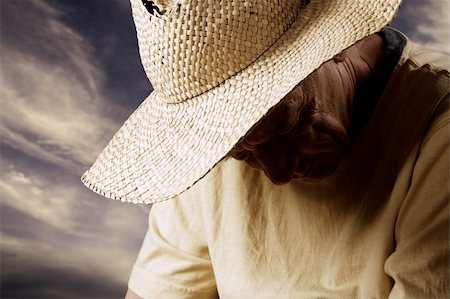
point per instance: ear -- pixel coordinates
(348, 53)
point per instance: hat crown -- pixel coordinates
(190, 46)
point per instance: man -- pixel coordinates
(344, 193)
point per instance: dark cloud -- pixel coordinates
(29, 29)
(40, 276)
(21, 230)
(107, 32)
(109, 28)
(23, 160)
(41, 260)
(63, 98)
(34, 279)
(23, 28)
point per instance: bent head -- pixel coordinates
(307, 133)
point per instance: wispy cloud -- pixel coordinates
(437, 27)
(56, 114)
(426, 22)
(52, 104)
(33, 270)
(52, 204)
(68, 230)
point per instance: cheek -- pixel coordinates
(314, 143)
(318, 155)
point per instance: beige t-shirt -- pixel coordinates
(378, 228)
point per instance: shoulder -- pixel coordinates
(422, 56)
(416, 57)
(432, 67)
(438, 128)
(421, 77)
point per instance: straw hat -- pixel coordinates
(217, 67)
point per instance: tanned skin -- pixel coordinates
(307, 133)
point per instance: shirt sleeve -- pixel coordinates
(419, 265)
(174, 260)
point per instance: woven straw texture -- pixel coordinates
(217, 67)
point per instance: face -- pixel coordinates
(306, 134)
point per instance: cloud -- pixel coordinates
(56, 116)
(56, 224)
(41, 278)
(53, 107)
(68, 206)
(426, 22)
(37, 197)
(437, 26)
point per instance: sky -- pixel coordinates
(70, 76)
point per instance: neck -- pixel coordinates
(369, 85)
(366, 59)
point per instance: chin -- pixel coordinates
(318, 170)
(312, 178)
(279, 182)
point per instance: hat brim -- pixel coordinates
(163, 149)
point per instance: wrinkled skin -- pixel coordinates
(307, 133)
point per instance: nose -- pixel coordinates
(277, 162)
